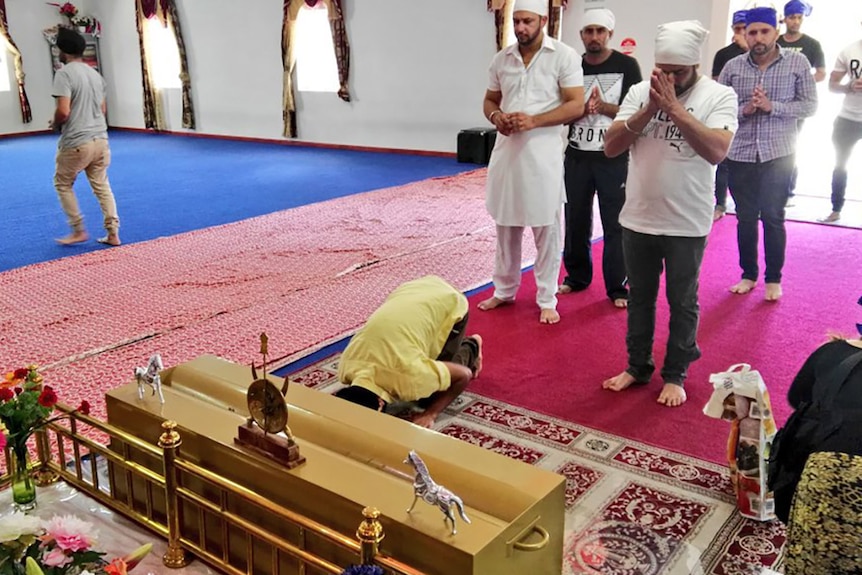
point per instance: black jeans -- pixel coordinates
(722, 173)
(759, 190)
(646, 255)
(586, 176)
(794, 174)
(845, 134)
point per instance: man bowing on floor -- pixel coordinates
(535, 86)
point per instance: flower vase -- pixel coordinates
(23, 484)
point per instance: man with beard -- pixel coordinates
(679, 125)
(608, 75)
(535, 86)
(775, 90)
(793, 39)
(83, 147)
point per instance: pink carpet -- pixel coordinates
(558, 369)
(306, 276)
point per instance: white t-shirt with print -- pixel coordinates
(669, 191)
(850, 62)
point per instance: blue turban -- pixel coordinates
(797, 7)
(763, 15)
(739, 17)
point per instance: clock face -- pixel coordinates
(266, 406)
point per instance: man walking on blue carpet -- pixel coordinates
(679, 125)
(83, 147)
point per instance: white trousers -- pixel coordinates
(507, 263)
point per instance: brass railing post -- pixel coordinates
(170, 441)
(370, 534)
(43, 475)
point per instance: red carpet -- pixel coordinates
(558, 369)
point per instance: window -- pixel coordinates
(5, 72)
(163, 56)
(316, 68)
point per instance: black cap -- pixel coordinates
(70, 42)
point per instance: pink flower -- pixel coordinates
(69, 533)
(56, 558)
(2, 441)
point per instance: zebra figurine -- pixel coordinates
(430, 492)
(150, 376)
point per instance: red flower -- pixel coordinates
(48, 398)
(84, 407)
(19, 390)
(6, 394)
(21, 373)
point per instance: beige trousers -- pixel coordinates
(93, 158)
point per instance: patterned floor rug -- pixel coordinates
(632, 509)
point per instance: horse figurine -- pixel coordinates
(150, 376)
(430, 492)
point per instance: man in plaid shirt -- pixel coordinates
(775, 89)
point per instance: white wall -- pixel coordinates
(27, 19)
(418, 68)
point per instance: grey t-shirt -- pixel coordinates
(86, 88)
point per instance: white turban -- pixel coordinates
(679, 43)
(599, 17)
(539, 7)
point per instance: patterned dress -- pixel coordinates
(825, 530)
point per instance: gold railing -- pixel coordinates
(154, 494)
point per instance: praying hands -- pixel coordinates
(759, 101)
(662, 93)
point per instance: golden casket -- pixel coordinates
(351, 452)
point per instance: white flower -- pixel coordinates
(14, 526)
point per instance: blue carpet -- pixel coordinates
(167, 185)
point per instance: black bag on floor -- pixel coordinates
(806, 428)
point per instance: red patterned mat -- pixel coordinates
(632, 509)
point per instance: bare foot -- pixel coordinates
(73, 238)
(744, 286)
(549, 316)
(564, 289)
(110, 240)
(672, 395)
(424, 419)
(620, 382)
(621, 302)
(773, 292)
(492, 302)
(478, 339)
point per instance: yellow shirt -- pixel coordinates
(394, 354)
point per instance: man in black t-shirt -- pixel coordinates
(737, 47)
(793, 39)
(608, 75)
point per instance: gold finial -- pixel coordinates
(170, 436)
(370, 530)
(264, 350)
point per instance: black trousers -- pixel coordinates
(646, 256)
(760, 192)
(586, 176)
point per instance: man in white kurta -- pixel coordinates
(535, 87)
